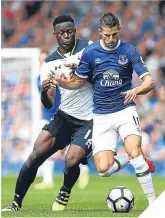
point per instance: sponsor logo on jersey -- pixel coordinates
(111, 78)
(123, 60)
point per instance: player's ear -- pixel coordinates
(54, 32)
(100, 31)
(119, 28)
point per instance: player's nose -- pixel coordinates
(111, 38)
(66, 36)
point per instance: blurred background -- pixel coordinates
(28, 24)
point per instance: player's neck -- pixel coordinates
(109, 49)
(63, 51)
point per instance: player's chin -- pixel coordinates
(67, 46)
(111, 45)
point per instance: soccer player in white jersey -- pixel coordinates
(70, 125)
(109, 63)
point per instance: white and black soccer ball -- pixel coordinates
(120, 199)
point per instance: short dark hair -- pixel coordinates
(62, 18)
(109, 20)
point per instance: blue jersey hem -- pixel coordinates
(113, 111)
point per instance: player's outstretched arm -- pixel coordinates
(147, 85)
(47, 94)
(73, 83)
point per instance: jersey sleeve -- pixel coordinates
(44, 70)
(138, 63)
(83, 69)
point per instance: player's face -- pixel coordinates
(65, 35)
(109, 35)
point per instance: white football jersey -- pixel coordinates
(77, 103)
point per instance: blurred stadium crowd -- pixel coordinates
(16, 109)
(29, 24)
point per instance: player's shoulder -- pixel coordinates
(82, 44)
(53, 56)
(126, 45)
(92, 46)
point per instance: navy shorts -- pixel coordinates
(70, 130)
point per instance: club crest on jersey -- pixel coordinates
(111, 78)
(123, 60)
(97, 61)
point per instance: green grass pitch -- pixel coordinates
(90, 202)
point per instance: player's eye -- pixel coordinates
(61, 33)
(114, 34)
(70, 31)
(106, 35)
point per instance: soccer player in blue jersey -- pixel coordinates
(109, 64)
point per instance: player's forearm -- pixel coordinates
(145, 87)
(47, 100)
(71, 84)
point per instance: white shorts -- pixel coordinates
(107, 128)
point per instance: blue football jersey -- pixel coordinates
(110, 71)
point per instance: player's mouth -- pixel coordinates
(111, 45)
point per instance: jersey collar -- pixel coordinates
(109, 49)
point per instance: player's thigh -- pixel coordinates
(105, 135)
(130, 131)
(44, 142)
(82, 138)
(54, 136)
(58, 128)
(43, 148)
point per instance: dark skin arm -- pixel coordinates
(47, 94)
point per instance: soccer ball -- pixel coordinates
(120, 199)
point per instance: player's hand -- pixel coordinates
(45, 85)
(129, 95)
(54, 79)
